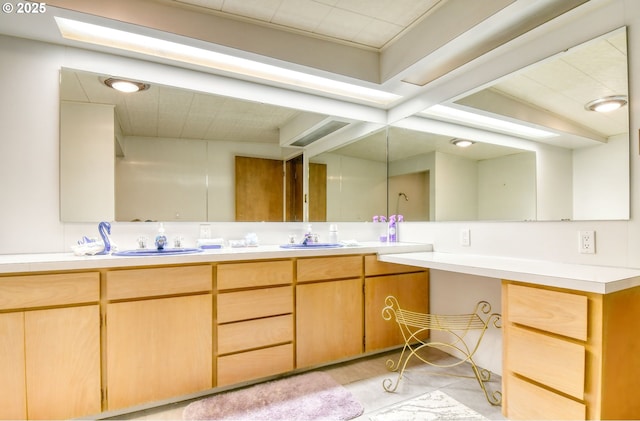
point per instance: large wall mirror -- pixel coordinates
(173, 160)
(578, 170)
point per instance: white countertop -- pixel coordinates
(24, 263)
(587, 278)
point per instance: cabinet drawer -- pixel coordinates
(31, 291)
(557, 312)
(245, 305)
(249, 365)
(321, 268)
(373, 267)
(257, 274)
(553, 362)
(240, 336)
(527, 401)
(153, 282)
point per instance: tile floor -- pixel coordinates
(364, 377)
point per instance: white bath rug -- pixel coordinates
(430, 406)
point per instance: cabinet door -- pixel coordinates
(63, 362)
(329, 321)
(412, 292)
(13, 401)
(158, 348)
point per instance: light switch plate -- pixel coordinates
(465, 237)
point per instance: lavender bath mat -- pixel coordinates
(310, 396)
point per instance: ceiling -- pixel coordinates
(562, 85)
(168, 112)
(367, 23)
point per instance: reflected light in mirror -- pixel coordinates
(109, 37)
(462, 143)
(126, 86)
(469, 118)
(607, 104)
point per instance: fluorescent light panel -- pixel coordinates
(109, 37)
(490, 123)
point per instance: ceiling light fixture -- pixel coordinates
(126, 86)
(462, 143)
(129, 41)
(472, 119)
(606, 104)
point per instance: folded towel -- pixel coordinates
(88, 246)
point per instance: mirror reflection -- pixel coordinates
(175, 152)
(432, 179)
(356, 174)
(176, 159)
(581, 159)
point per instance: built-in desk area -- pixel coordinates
(585, 278)
(570, 343)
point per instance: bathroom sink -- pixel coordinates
(155, 252)
(311, 246)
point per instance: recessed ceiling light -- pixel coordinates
(129, 41)
(462, 143)
(606, 104)
(124, 85)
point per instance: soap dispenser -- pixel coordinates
(333, 234)
(161, 239)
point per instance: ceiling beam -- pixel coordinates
(492, 102)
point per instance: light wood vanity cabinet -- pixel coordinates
(545, 348)
(410, 285)
(50, 347)
(158, 333)
(558, 361)
(254, 315)
(77, 344)
(329, 304)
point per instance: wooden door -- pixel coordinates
(412, 292)
(317, 192)
(329, 321)
(63, 362)
(157, 349)
(259, 189)
(294, 190)
(13, 400)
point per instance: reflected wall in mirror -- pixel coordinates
(431, 179)
(174, 149)
(356, 175)
(582, 167)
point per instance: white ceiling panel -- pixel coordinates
(370, 23)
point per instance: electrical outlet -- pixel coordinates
(465, 237)
(587, 242)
